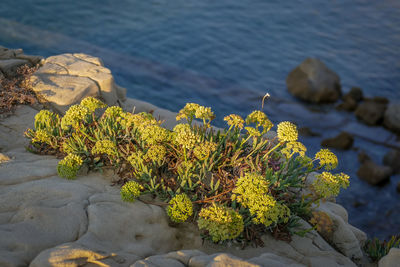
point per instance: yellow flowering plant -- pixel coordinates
(230, 182)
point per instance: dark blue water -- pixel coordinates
(227, 55)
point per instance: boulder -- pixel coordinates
(392, 117)
(12, 59)
(355, 93)
(392, 159)
(391, 259)
(373, 173)
(371, 111)
(342, 141)
(348, 104)
(9, 66)
(351, 99)
(65, 79)
(313, 81)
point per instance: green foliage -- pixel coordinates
(377, 249)
(69, 166)
(234, 181)
(130, 191)
(180, 208)
(221, 223)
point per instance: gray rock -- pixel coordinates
(313, 81)
(342, 141)
(373, 173)
(392, 117)
(348, 104)
(392, 159)
(355, 93)
(371, 111)
(10, 66)
(392, 259)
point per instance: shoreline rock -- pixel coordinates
(48, 221)
(313, 81)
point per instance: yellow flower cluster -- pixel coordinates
(92, 104)
(204, 113)
(69, 166)
(294, 147)
(202, 151)
(235, 121)
(185, 136)
(180, 208)
(252, 192)
(113, 112)
(260, 119)
(105, 147)
(195, 110)
(327, 159)
(156, 153)
(74, 116)
(140, 120)
(252, 131)
(130, 191)
(328, 184)
(187, 112)
(154, 134)
(42, 136)
(46, 120)
(287, 132)
(222, 223)
(322, 222)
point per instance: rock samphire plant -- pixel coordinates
(235, 184)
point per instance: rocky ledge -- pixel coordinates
(49, 221)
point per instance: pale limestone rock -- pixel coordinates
(4, 158)
(184, 256)
(73, 254)
(272, 260)
(62, 91)
(14, 127)
(156, 261)
(65, 79)
(392, 259)
(121, 93)
(37, 215)
(94, 60)
(343, 235)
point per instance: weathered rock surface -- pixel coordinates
(371, 111)
(392, 117)
(12, 59)
(342, 141)
(373, 173)
(391, 259)
(49, 221)
(65, 79)
(313, 81)
(351, 99)
(392, 159)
